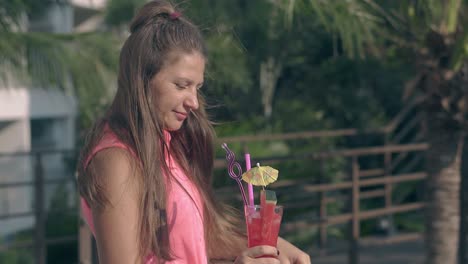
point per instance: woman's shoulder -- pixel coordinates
(112, 162)
(108, 144)
(115, 172)
(110, 171)
(111, 159)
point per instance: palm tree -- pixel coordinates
(433, 34)
(80, 64)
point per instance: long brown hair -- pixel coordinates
(157, 31)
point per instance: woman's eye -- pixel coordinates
(180, 86)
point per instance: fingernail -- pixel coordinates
(277, 252)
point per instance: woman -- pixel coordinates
(145, 171)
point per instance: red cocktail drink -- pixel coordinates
(263, 224)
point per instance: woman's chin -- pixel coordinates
(173, 127)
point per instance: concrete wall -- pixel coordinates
(32, 120)
(14, 103)
(58, 18)
(50, 113)
(91, 4)
(15, 137)
(34, 103)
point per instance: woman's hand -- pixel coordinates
(251, 255)
(289, 254)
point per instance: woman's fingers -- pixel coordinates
(268, 255)
(303, 259)
(255, 252)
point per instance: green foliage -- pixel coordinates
(338, 93)
(227, 76)
(304, 240)
(11, 11)
(121, 12)
(410, 222)
(22, 256)
(94, 68)
(227, 65)
(62, 221)
(79, 64)
(357, 23)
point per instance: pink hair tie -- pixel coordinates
(174, 15)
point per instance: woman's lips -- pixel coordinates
(181, 116)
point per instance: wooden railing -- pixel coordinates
(288, 189)
(357, 179)
(39, 241)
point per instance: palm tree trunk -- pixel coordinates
(463, 238)
(270, 71)
(443, 184)
(271, 66)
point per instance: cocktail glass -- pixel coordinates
(263, 224)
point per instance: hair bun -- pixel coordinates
(175, 15)
(151, 12)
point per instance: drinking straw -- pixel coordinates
(231, 158)
(249, 185)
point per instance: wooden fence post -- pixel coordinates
(323, 211)
(40, 249)
(388, 188)
(355, 228)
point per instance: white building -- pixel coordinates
(35, 118)
(31, 119)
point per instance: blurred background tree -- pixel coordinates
(433, 36)
(81, 64)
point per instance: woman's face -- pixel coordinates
(176, 86)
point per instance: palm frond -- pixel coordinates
(356, 22)
(120, 12)
(460, 51)
(453, 8)
(13, 12)
(83, 65)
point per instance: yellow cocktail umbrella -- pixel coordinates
(260, 175)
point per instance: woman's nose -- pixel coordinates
(192, 100)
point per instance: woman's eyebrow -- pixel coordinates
(188, 81)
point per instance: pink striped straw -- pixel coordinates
(232, 163)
